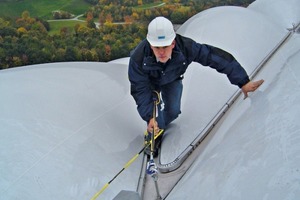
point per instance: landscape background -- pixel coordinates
(35, 32)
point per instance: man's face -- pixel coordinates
(163, 54)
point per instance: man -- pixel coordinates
(158, 64)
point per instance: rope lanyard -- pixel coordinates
(157, 101)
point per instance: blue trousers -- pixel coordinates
(169, 106)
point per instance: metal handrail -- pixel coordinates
(177, 162)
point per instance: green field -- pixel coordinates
(41, 8)
(56, 26)
(150, 5)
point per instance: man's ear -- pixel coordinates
(173, 44)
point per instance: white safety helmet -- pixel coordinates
(160, 32)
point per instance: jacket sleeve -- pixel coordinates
(220, 60)
(140, 89)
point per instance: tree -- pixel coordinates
(101, 18)
(21, 30)
(135, 15)
(108, 19)
(3, 64)
(59, 55)
(25, 15)
(90, 20)
(70, 54)
(128, 19)
(107, 52)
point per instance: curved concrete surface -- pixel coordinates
(67, 129)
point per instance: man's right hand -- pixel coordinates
(152, 125)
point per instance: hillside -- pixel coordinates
(42, 9)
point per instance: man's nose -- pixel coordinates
(161, 50)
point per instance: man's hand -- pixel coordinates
(251, 86)
(153, 125)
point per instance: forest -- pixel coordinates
(110, 30)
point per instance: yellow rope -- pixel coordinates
(125, 166)
(134, 157)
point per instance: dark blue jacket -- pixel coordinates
(146, 74)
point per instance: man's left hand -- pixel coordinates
(251, 86)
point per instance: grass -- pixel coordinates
(55, 26)
(150, 5)
(42, 8)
